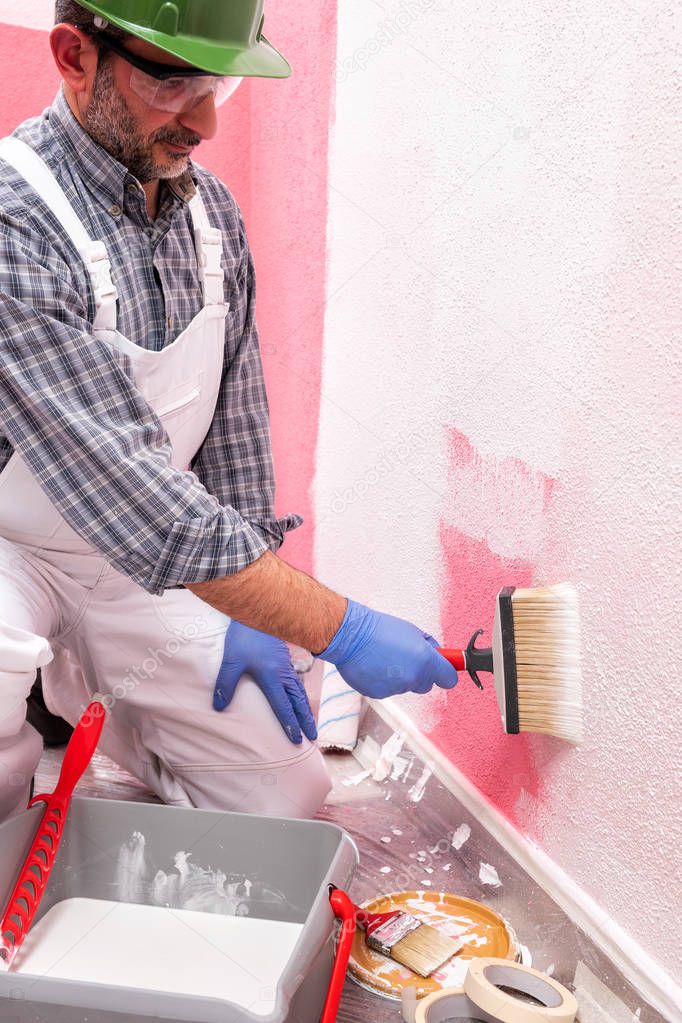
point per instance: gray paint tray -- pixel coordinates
(288, 863)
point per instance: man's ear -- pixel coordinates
(75, 55)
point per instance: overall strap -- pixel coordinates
(93, 253)
(208, 242)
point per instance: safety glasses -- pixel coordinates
(169, 88)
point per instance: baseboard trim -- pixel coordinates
(654, 984)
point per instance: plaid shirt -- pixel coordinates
(67, 404)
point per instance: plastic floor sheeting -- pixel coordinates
(400, 838)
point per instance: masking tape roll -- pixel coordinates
(482, 998)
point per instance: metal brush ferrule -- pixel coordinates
(386, 937)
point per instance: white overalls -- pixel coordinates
(91, 630)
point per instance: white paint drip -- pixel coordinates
(488, 875)
(387, 756)
(526, 955)
(185, 885)
(385, 870)
(416, 793)
(462, 835)
(396, 831)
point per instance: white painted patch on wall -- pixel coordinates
(508, 278)
(38, 14)
(511, 516)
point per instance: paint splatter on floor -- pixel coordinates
(462, 835)
(416, 793)
(488, 875)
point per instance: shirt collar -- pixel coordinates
(106, 177)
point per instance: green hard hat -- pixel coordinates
(223, 37)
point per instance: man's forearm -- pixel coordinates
(274, 597)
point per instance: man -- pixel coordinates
(137, 533)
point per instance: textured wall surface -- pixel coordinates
(498, 372)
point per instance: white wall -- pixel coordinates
(502, 274)
(37, 14)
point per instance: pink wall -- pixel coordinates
(30, 82)
(273, 155)
(272, 152)
(502, 766)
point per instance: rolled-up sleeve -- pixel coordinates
(235, 460)
(69, 407)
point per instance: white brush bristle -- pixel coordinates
(548, 676)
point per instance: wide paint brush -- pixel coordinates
(535, 658)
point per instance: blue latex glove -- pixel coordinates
(380, 656)
(267, 660)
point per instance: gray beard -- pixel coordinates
(109, 121)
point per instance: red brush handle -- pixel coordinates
(473, 659)
(455, 657)
(345, 911)
(28, 891)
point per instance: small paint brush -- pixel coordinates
(416, 945)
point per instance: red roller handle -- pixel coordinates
(455, 657)
(28, 891)
(344, 909)
(79, 752)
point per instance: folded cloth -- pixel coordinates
(339, 716)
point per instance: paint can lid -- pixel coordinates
(480, 931)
